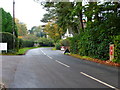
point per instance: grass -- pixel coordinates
(22, 51)
(54, 48)
(107, 62)
(81, 57)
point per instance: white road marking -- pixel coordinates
(62, 63)
(98, 80)
(43, 52)
(50, 57)
(46, 54)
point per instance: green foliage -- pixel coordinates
(20, 43)
(116, 60)
(53, 31)
(27, 43)
(37, 31)
(45, 42)
(30, 37)
(22, 29)
(7, 22)
(65, 42)
(95, 41)
(24, 50)
(74, 44)
(11, 41)
(57, 46)
(102, 27)
(117, 48)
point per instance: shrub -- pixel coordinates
(57, 46)
(20, 43)
(45, 42)
(95, 43)
(11, 41)
(27, 43)
(65, 42)
(117, 48)
(74, 44)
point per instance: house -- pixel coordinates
(67, 34)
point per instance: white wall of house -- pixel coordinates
(67, 34)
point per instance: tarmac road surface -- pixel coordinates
(45, 68)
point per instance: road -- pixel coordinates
(45, 68)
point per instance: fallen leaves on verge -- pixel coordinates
(2, 86)
(107, 62)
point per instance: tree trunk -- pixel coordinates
(81, 22)
(80, 16)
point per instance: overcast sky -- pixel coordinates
(26, 11)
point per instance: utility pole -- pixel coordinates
(13, 23)
(13, 17)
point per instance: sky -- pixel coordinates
(27, 11)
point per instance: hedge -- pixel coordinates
(25, 43)
(64, 42)
(94, 44)
(117, 48)
(11, 41)
(45, 42)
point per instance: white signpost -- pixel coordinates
(3, 47)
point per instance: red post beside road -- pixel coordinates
(111, 52)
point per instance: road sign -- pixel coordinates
(3, 46)
(111, 52)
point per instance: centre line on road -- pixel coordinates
(43, 52)
(46, 54)
(98, 80)
(62, 63)
(50, 57)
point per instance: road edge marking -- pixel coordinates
(62, 63)
(98, 80)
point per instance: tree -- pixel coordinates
(22, 28)
(53, 31)
(37, 31)
(101, 30)
(30, 37)
(65, 14)
(7, 22)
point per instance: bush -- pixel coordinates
(25, 43)
(45, 42)
(117, 48)
(65, 42)
(95, 43)
(74, 44)
(11, 41)
(28, 43)
(20, 43)
(57, 46)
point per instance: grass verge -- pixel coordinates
(107, 62)
(22, 51)
(54, 48)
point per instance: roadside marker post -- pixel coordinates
(111, 52)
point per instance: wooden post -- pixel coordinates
(111, 52)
